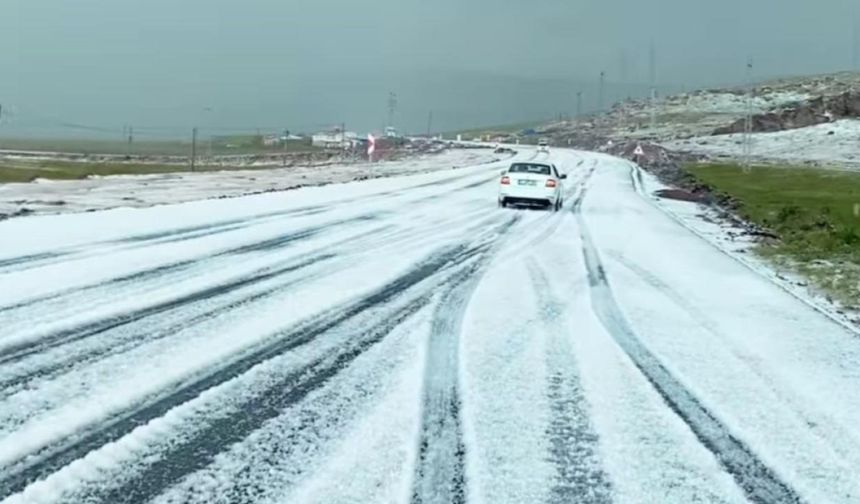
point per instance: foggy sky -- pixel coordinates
(306, 64)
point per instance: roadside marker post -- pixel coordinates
(639, 152)
(371, 147)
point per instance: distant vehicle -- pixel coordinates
(532, 184)
(543, 146)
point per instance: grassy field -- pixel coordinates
(468, 134)
(815, 213)
(224, 145)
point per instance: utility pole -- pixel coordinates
(748, 120)
(623, 67)
(208, 121)
(578, 104)
(129, 141)
(855, 47)
(392, 107)
(429, 123)
(652, 76)
(286, 136)
(600, 91)
(652, 63)
(193, 148)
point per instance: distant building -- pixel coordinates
(271, 140)
(335, 139)
(391, 132)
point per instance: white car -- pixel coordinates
(543, 146)
(532, 184)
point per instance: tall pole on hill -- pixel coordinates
(578, 104)
(193, 148)
(129, 140)
(748, 121)
(855, 47)
(623, 64)
(392, 107)
(652, 77)
(600, 91)
(429, 123)
(286, 137)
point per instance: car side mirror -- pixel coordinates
(563, 176)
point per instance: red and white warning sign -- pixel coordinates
(638, 151)
(371, 145)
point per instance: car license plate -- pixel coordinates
(528, 182)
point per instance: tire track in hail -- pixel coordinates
(16, 352)
(155, 273)
(126, 341)
(20, 474)
(440, 474)
(758, 481)
(192, 454)
(830, 432)
(178, 267)
(381, 235)
(144, 240)
(440, 465)
(573, 441)
(19, 263)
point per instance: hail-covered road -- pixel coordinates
(404, 340)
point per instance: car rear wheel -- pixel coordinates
(503, 203)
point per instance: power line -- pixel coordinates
(600, 91)
(392, 107)
(652, 64)
(748, 120)
(623, 64)
(652, 77)
(429, 123)
(130, 140)
(855, 46)
(193, 148)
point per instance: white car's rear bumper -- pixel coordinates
(528, 195)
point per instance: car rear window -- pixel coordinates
(537, 169)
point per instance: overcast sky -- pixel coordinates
(305, 64)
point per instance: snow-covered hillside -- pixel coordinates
(834, 144)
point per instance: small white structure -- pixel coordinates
(391, 132)
(335, 139)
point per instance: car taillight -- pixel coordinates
(506, 180)
(551, 183)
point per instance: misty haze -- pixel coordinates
(305, 64)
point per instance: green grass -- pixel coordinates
(226, 145)
(815, 213)
(468, 134)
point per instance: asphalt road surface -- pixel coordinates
(405, 340)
